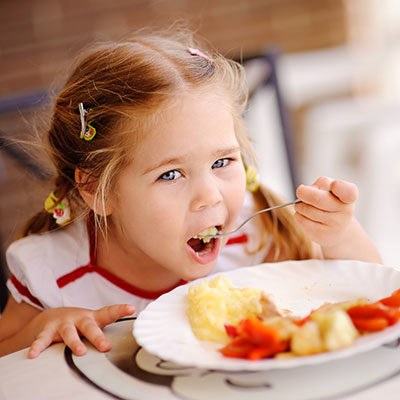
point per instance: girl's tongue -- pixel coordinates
(196, 244)
(199, 246)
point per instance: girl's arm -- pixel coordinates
(326, 214)
(21, 325)
(13, 319)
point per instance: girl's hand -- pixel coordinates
(326, 211)
(67, 324)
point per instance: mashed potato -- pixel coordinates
(216, 303)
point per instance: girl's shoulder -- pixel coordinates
(54, 251)
(54, 245)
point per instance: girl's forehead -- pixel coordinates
(177, 116)
(190, 124)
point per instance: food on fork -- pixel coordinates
(258, 329)
(207, 232)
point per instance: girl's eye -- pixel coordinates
(170, 175)
(222, 162)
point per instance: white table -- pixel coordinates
(47, 377)
(50, 377)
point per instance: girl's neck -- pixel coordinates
(132, 266)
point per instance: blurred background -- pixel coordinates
(324, 76)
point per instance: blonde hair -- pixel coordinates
(134, 79)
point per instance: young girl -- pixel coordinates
(148, 140)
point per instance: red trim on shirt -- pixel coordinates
(86, 269)
(24, 291)
(73, 275)
(92, 239)
(238, 239)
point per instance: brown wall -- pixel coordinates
(37, 37)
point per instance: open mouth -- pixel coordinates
(203, 246)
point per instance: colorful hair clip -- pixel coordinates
(252, 182)
(88, 131)
(61, 211)
(50, 202)
(196, 52)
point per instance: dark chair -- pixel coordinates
(12, 150)
(3, 279)
(262, 74)
(28, 164)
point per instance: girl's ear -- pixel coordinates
(87, 192)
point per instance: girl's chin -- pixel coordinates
(199, 274)
(197, 271)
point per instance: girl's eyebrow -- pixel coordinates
(179, 160)
(168, 161)
(227, 151)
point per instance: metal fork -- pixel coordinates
(247, 220)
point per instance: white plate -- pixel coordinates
(163, 328)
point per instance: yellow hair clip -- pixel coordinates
(50, 202)
(252, 182)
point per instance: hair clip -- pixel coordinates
(50, 202)
(252, 182)
(88, 131)
(197, 52)
(61, 211)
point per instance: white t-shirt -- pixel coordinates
(58, 269)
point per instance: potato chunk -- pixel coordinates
(336, 328)
(307, 340)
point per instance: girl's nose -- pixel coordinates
(206, 194)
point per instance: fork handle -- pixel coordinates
(249, 218)
(260, 212)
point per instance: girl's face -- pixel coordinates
(186, 176)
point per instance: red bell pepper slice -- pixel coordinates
(231, 331)
(253, 340)
(267, 351)
(257, 333)
(370, 324)
(393, 300)
(375, 310)
(237, 348)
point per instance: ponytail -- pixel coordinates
(39, 223)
